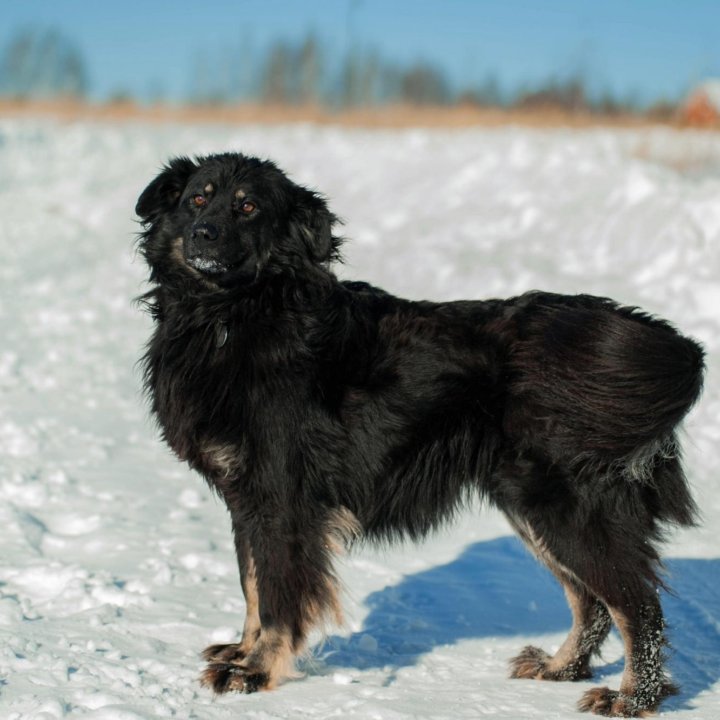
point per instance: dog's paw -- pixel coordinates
(535, 664)
(611, 703)
(222, 677)
(530, 663)
(224, 653)
(225, 673)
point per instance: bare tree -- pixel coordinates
(424, 84)
(42, 63)
(568, 95)
(277, 80)
(309, 70)
(486, 94)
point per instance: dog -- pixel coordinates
(327, 412)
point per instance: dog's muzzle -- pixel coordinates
(199, 249)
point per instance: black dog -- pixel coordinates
(323, 411)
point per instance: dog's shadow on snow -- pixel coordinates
(496, 589)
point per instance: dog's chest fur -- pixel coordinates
(215, 379)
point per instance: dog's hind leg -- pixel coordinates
(644, 684)
(591, 625)
(628, 583)
(613, 559)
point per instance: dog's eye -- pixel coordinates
(248, 207)
(198, 201)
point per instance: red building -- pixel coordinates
(702, 106)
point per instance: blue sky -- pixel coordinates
(644, 48)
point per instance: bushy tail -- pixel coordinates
(610, 382)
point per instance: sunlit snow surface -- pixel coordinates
(116, 565)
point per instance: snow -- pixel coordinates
(116, 563)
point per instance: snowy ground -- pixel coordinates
(116, 565)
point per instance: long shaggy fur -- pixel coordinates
(323, 410)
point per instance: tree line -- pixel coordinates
(42, 63)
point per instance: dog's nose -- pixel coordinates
(205, 231)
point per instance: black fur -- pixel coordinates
(321, 409)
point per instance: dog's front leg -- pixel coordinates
(296, 590)
(236, 652)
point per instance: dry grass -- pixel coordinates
(462, 116)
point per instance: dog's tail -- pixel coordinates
(610, 383)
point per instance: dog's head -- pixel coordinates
(227, 220)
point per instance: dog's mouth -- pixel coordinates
(222, 273)
(209, 266)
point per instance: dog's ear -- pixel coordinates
(311, 223)
(163, 192)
